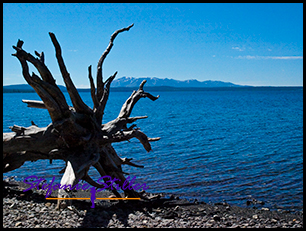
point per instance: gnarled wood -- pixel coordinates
(76, 134)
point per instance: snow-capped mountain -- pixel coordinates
(153, 81)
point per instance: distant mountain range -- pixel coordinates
(131, 82)
(157, 82)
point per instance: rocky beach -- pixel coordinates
(31, 210)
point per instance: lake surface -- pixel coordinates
(217, 144)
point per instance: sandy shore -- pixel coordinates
(32, 210)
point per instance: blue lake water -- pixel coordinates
(231, 145)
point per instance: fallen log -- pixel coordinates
(76, 134)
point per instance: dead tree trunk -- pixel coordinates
(76, 134)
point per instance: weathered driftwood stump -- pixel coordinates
(76, 134)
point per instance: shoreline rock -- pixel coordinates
(31, 210)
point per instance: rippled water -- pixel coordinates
(215, 145)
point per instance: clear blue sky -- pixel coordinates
(252, 44)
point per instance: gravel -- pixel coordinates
(31, 210)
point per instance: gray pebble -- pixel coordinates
(13, 206)
(33, 214)
(216, 218)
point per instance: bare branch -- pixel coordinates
(133, 119)
(100, 84)
(40, 66)
(103, 173)
(41, 56)
(46, 89)
(127, 107)
(127, 161)
(35, 103)
(154, 139)
(92, 89)
(76, 100)
(51, 105)
(55, 93)
(127, 135)
(100, 110)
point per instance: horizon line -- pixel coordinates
(238, 85)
